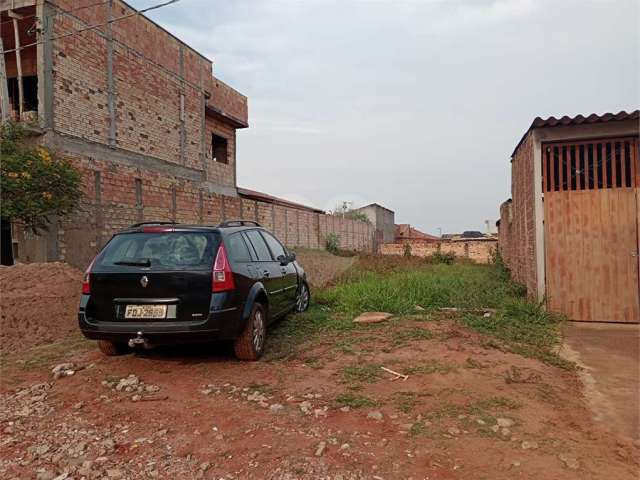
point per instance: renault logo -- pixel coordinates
(144, 281)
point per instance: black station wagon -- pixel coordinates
(164, 283)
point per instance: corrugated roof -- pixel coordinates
(265, 197)
(552, 121)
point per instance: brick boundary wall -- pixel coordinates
(117, 196)
(516, 234)
(480, 251)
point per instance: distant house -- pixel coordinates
(570, 232)
(406, 233)
(383, 221)
(472, 234)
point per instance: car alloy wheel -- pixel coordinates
(258, 330)
(302, 302)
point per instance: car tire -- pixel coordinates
(303, 298)
(111, 349)
(250, 344)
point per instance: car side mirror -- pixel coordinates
(286, 259)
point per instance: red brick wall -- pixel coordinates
(79, 77)
(159, 87)
(480, 251)
(113, 206)
(220, 173)
(517, 220)
(225, 98)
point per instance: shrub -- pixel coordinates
(36, 185)
(446, 258)
(359, 216)
(332, 243)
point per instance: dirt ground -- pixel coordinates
(609, 355)
(321, 267)
(469, 409)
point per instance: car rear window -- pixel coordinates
(161, 250)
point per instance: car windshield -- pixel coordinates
(167, 250)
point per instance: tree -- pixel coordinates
(35, 184)
(345, 211)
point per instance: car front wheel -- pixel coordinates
(250, 344)
(302, 301)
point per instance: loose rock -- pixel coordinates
(321, 448)
(375, 415)
(372, 317)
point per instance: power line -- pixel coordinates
(92, 27)
(176, 77)
(65, 11)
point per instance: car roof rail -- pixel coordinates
(239, 223)
(142, 224)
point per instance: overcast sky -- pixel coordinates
(415, 104)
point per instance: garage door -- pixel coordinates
(591, 209)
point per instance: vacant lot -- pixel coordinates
(485, 396)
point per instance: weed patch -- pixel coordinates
(362, 373)
(406, 401)
(354, 401)
(397, 284)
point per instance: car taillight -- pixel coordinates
(222, 274)
(86, 282)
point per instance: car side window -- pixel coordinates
(259, 245)
(238, 250)
(276, 247)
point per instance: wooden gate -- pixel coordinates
(591, 209)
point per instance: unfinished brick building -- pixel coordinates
(139, 112)
(570, 231)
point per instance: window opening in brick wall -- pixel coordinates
(589, 164)
(30, 86)
(219, 147)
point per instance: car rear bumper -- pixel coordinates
(221, 324)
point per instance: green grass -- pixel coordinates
(354, 401)
(397, 284)
(430, 286)
(406, 401)
(362, 373)
(485, 409)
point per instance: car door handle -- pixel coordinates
(266, 273)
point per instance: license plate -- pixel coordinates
(145, 311)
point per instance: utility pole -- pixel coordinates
(4, 90)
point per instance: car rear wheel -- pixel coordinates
(111, 349)
(302, 301)
(250, 344)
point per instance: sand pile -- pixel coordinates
(38, 304)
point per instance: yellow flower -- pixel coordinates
(47, 195)
(44, 154)
(25, 175)
(12, 175)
